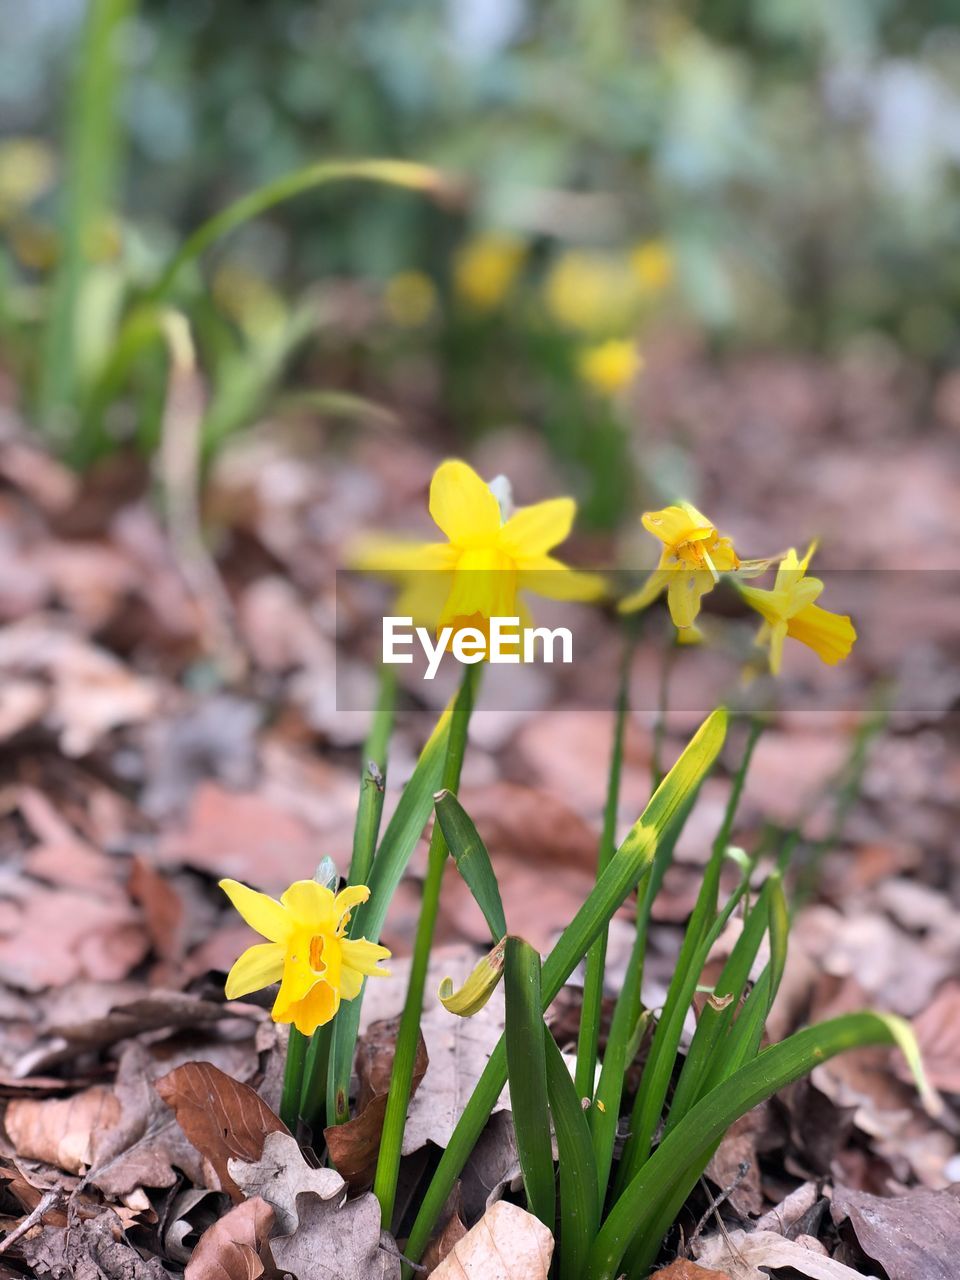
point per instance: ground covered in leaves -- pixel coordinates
(157, 734)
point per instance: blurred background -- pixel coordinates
(702, 249)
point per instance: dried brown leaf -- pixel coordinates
(320, 1235)
(506, 1244)
(745, 1255)
(221, 1117)
(354, 1146)
(62, 1130)
(684, 1270)
(913, 1235)
(235, 1248)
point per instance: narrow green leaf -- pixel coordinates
(396, 847)
(644, 1212)
(408, 1034)
(473, 862)
(373, 774)
(396, 173)
(659, 821)
(700, 932)
(527, 1075)
(589, 1032)
(579, 1201)
(716, 1018)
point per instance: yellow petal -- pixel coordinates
(261, 912)
(394, 557)
(684, 592)
(776, 634)
(554, 580)
(311, 905)
(673, 525)
(364, 957)
(298, 979)
(463, 506)
(653, 588)
(351, 984)
(349, 898)
(318, 1007)
(830, 635)
(532, 531)
(769, 604)
(259, 966)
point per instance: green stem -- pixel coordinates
(313, 1097)
(370, 806)
(401, 1079)
(663, 707)
(596, 957)
(293, 1079)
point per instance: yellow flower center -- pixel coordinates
(317, 944)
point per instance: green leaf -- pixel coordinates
(648, 1206)
(659, 821)
(399, 841)
(396, 173)
(527, 1075)
(579, 1201)
(473, 862)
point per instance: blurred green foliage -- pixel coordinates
(799, 162)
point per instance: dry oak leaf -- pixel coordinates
(62, 1131)
(911, 1236)
(506, 1244)
(320, 1234)
(748, 1256)
(221, 1117)
(235, 1247)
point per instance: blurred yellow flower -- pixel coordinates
(27, 169)
(249, 300)
(610, 366)
(789, 610)
(307, 951)
(410, 299)
(485, 268)
(493, 553)
(590, 293)
(693, 557)
(652, 265)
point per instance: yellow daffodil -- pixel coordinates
(789, 610)
(590, 293)
(493, 554)
(693, 557)
(410, 299)
(610, 366)
(307, 951)
(652, 265)
(485, 269)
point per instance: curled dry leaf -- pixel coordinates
(453, 1232)
(912, 1236)
(62, 1131)
(221, 1117)
(506, 1244)
(89, 1248)
(320, 1235)
(354, 1146)
(235, 1248)
(745, 1255)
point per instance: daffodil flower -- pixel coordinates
(788, 609)
(693, 557)
(609, 366)
(493, 554)
(307, 951)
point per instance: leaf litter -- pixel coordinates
(130, 784)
